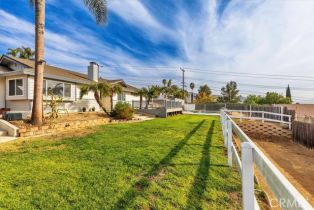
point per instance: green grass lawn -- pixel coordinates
(174, 163)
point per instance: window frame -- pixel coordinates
(15, 87)
(45, 89)
(121, 97)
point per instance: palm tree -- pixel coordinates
(13, 52)
(97, 7)
(164, 82)
(150, 93)
(113, 89)
(166, 89)
(100, 90)
(26, 53)
(192, 86)
(140, 93)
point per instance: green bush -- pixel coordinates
(123, 110)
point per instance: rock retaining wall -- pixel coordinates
(60, 127)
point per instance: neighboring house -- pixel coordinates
(17, 86)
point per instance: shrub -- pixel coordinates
(123, 110)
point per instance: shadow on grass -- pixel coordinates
(144, 182)
(200, 180)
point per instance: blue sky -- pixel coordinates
(146, 41)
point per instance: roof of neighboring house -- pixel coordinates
(64, 73)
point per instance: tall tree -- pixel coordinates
(204, 95)
(113, 89)
(97, 7)
(230, 93)
(288, 93)
(192, 86)
(150, 93)
(269, 98)
(140, 93)
(100, 91)
(26, 53)
(21, 52)
(164, 82)
(14, 52)
(166, 89)
(205, 89)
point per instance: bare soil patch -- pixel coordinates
(295, 161)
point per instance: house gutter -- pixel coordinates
(46, 76)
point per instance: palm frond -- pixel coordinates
(98, 8)
(84, 90)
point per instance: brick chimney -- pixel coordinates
(93, 71)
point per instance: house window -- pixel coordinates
(121, 97)
(67, 90)
(58, 88)
(16, 87)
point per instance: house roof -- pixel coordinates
(64, 73)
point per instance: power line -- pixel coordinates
(242, 84)
(240, 74)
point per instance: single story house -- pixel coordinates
(17, 86)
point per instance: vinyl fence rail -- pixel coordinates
(287, 196)
(261, 115)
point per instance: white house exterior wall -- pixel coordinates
(2, 92)
(19, 105)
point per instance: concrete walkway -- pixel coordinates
(4, 139)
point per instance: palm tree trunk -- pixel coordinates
(192, 98)
(102, 106)
(147, 103)
(37, 110)
(141, 100)
(111, 102)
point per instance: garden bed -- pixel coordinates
(65, 123)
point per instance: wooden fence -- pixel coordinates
(303, 133)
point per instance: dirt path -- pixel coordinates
(294, 160)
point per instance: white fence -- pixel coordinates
(261, 115)
(287, 196)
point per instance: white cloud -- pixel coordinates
(270, 37)
(135, 13)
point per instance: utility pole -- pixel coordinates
(183, 82)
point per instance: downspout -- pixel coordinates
(5, 92)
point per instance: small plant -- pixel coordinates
(123, 110)
(84, 109)
(93, 109)
(53, 103)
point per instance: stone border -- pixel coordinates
(67, 126)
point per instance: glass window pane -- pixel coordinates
(44, 87)
(19, 87)
(67, 90)
(56, 87)
(11, 87)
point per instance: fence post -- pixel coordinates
(250, 111)
(241, 115)
(247, 176)
(229, 143)
(263, 116)
(290, 122)
(281, 111)
(226, 130)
